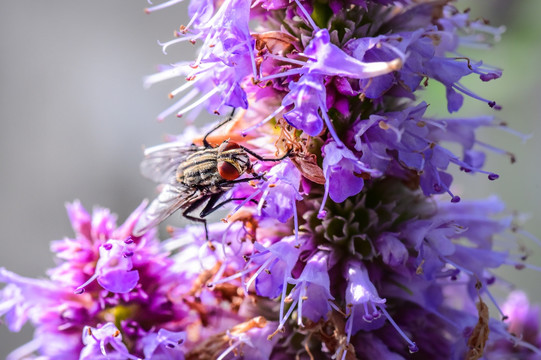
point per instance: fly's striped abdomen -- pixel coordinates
(199, 169)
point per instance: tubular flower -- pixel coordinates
(342, 234)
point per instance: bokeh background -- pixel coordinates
(74, 117)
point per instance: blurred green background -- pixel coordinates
(518, 91)
(74, 118)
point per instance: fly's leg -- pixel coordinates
(211, 200)
(228, 119)
(260, 158)
(209, 210)
(238, 181)
(211, 206)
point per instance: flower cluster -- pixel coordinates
(343, 238)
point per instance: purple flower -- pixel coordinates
(393, 251)
(24, 298)
(522, 317)
(281, 191)
(308, 93)
(434, 239)
(54, 311)
(277, 262)
(405, 141)
(226, 58)
(328, 59)
(164, 345)
(311, 293)
(427, 48)
(309, 96)
(251, 340)
(363, 301)
(343, 173)
(104, 343)
(114, 268)
(521, 338)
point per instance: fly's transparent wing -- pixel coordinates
(170, 199)
(161, 162)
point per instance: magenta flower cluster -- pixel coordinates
(342, 237)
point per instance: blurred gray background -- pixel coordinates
(74, 117)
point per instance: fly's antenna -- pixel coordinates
(225, 121)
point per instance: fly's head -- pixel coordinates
(232, 161)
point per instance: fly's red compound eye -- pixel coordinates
(227, 171)
(229, 146)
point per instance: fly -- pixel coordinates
(193, 176)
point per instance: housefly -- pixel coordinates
(193, 176)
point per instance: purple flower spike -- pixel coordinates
(353, 236)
